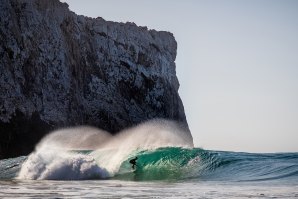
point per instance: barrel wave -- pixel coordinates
(163, 150)
(181, 164)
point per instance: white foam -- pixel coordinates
(60, 165)
(55, 159)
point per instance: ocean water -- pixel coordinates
(168, 166)
(169, 172)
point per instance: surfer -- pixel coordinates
(133, 162)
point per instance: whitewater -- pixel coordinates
(88, 162)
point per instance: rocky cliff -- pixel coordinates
(60, 69)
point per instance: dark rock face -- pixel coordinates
(59, 69)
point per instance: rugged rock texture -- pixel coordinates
(59, 69)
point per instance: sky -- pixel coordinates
(237, 64)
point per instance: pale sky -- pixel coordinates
(237, 65)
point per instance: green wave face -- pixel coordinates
(162, 164)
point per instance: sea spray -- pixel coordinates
(59, 155)
(77, 138)
(147, 136)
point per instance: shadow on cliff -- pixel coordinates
(21, 134)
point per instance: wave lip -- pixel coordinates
(167, 163)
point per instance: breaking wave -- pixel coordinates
(62, 155)
(164, 150)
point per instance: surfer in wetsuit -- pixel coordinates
(133, 162)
